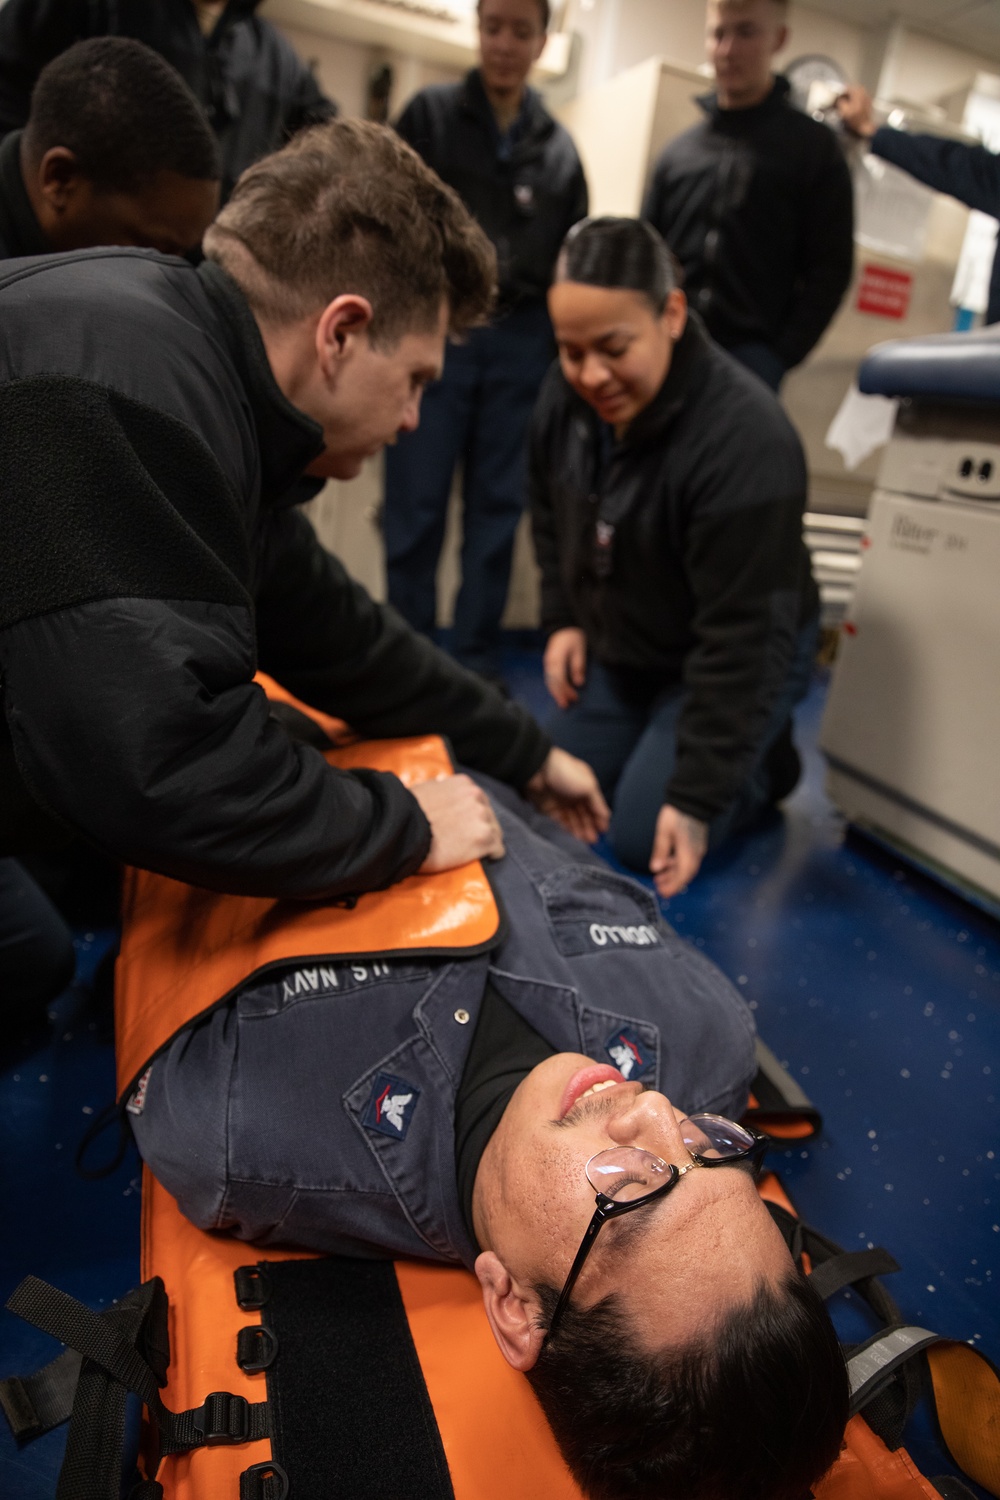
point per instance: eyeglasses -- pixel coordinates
(627, 1177)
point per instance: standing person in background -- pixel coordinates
(492, 140)
(969, 173)
(254, 88)
(756, 201)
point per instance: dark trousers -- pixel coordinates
(36, 948)
(477, 414)
(630, 738)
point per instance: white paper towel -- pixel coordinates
(862, 424)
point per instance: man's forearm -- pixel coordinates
(969, 173)
(137, 724)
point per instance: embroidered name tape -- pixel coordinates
(629, 1053)
(391, 1106)
(604, 935)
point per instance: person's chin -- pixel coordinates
(503, 80)
(615, 409)
(345, 465)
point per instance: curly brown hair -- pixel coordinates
(348, 207)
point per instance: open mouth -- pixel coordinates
(593, 1079)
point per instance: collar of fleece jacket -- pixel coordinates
(735, 119)
(19, 230)
(288, 440)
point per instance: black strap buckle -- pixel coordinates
(267, 1481)
(222, 1418)
(256, 1348)
(252, 1287)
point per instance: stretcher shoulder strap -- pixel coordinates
(115, 1355)
(185, 950)
(778, 1106)
(885, 1373)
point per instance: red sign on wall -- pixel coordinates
(884, 292)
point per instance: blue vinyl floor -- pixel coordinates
(878, 989)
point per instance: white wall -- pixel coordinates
(344, 68)
(919, 69)
(620, 33)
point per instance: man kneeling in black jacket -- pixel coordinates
(667, 494)
(154, 417)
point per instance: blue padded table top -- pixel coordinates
(942, 367)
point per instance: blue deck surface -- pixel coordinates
(878, 989)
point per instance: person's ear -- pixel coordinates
(540, 46)
(59, 177)
(342, 328)
(780, 41)
(675, 314)
(510, 1312)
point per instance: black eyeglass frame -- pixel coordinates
(607, 1208)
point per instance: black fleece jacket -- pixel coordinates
(525, 201)
(707, 579)
(255, 89)
(148, 568)
(758, 207)
(20, 232)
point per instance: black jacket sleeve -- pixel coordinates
(744, 561)
(969, 173)
(127, 655)
(32, 32)
(556, 609)
(826, 257)
(325, 639)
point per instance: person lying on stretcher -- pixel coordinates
(557, 1115)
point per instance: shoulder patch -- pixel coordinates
(137, 1098)
(629, 1053)
(391, 1105)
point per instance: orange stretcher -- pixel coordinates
(495, 1438)
(185, 951)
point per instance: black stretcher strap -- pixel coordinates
(34, 1404)
(119, 1351)
(221, 1418)
(849, 1268)
(889, 1398)
(834, 1268)
(88, 1332)
(951, 1488)
(780, 1100)
(352, 1416)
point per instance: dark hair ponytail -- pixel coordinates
(625, 253)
